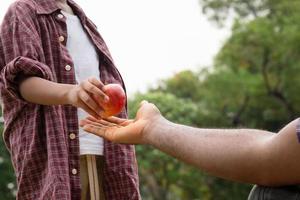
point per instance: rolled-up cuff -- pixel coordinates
(275, 193)
(19, 69)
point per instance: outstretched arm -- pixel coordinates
(245, 155)
(41, 91)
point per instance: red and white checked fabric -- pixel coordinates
(33, 39)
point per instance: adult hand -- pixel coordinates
(85, 95)
(125, 130)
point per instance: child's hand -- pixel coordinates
(83, 96)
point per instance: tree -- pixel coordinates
(253, 83)
(163, 177)
(267, 45)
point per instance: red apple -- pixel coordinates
(117, 99)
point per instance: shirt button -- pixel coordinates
(61, 38)
(72, 136)
(74, 171)
(60, 16)
(68, 67)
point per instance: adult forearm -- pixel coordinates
(232, 154)
(44, 92)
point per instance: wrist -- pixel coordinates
(66, 93)
(153, 129)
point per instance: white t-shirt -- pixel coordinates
(86, 64)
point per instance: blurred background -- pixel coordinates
(204, 63)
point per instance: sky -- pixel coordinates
(152, 40)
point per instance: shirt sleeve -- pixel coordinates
(21, 50)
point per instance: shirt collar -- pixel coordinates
(46, 6)
(50, 6)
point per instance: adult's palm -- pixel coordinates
(124, 130)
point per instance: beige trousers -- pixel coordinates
(91, 175)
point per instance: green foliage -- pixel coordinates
(7, 178)
(161, 176)
(181, 85)
(268, 47)
(220, 10)
(253, 83)
(178, 110)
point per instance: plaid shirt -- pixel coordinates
(44, 153)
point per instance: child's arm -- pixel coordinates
(41, 91)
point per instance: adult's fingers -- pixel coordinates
(120, 121)
(108, 124)
(115, 120)
(112, 133)
(85, 121)
(91, 118)
(99, 122)
(144, 102)
(102, 131)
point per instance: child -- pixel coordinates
(49, 53)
